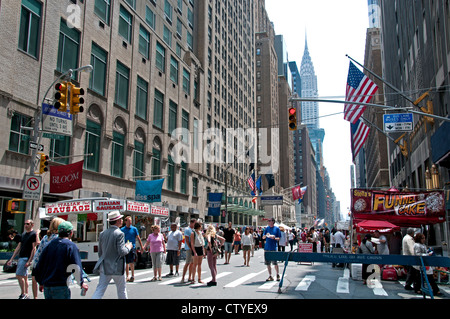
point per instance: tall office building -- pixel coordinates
(374, 14)
(310, 110)
(157, 66)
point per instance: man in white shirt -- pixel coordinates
(339, 239)
(174, 240)
(408, 250)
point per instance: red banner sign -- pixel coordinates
(400, 208)
(66, 178)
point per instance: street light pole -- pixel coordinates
(37, 133)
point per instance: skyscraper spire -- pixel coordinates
(310, 110)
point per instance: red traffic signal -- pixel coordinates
(292, 119)
(61, 96)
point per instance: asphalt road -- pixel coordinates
(238, 282)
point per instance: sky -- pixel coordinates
(334, 29)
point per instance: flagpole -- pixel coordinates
(382, 80)
(302, 99)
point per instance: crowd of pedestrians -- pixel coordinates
(52, 256)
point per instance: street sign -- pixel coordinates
(271, 200)
(401, 122)
(36, 146)
(54, 121)
(53, 136)
(32, 187)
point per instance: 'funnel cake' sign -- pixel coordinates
(400, 208)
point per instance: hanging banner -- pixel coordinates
(66, 178)
(149, 191)
(400, 208)
(215, 200)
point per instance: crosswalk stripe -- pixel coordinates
(243, 279)
(343, 283)
(305, 283)
(223, 274)
(270, 284)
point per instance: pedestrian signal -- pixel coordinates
(61, 96)
(292, 119)
(17, 206)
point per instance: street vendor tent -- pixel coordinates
(370, 226)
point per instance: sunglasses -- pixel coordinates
(27, 223)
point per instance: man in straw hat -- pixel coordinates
(111, 263)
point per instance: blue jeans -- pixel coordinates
(60, 292)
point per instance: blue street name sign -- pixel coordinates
(401, 122)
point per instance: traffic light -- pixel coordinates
(43, 163)
(75, 99)
(17, 206)
(61, 96)
(292, 119)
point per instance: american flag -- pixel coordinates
(251, 182)
(359, 134)
(359, 89)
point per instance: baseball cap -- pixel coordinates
(65, 227)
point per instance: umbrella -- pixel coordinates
(370, 226)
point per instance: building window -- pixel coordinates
(117, 154)
(122, 83)
(167, 36)
(179, 28)
(186, 81)
(195, 187)
(190, 40)
(18, 138)
(30, 26)
(150, 17)
(125, 24)
(183, 178)
(191, 18)
(171, 174)
(185, 126)
(144, 42)
(174, 70)
(99, 59)
(141, 98)
(69, 42)
(158, 110)
(172, 116)
(160, 57)
(60, 148)
(156, 164)
(92, 145)
(132, 3)
(168, 10)
(101, 9)
(138, 161)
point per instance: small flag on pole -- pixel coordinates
(251, 181)
(359, 134)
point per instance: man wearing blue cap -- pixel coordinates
(52, 270)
